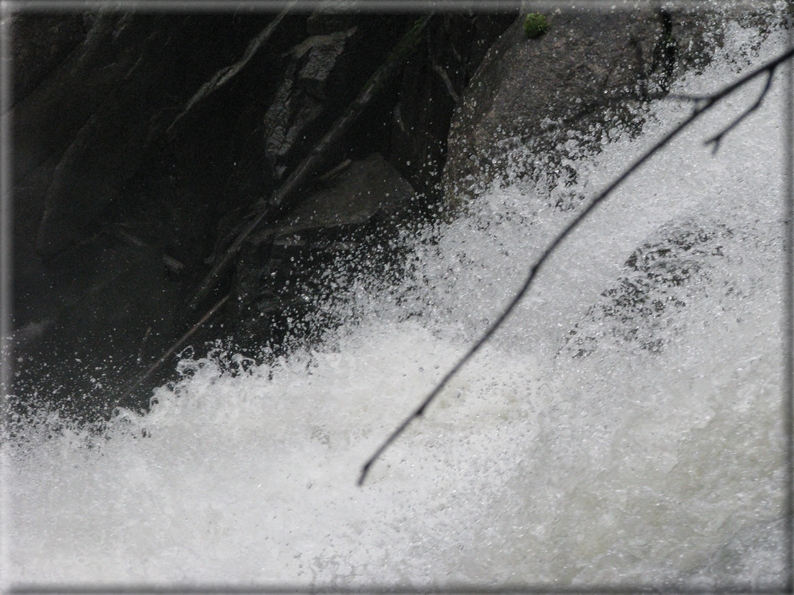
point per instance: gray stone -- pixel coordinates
(525, 84)
(47, 120)
(432, 82)
(300, 100)
(39, 44)
(364, 189)
(322, 53)
(591, 67)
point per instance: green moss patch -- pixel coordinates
(535, 25)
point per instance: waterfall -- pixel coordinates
(624, 427)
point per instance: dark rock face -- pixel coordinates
(361, 190)
(131, 177)
(431, 88)
(285, 264)
(41, 42)
(303, 95)
(47, 120)
(121, 89)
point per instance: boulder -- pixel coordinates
(432, 83)
(525, 89)
(361, 190)
(591, 71)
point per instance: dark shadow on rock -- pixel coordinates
(116, 220)
(39, 44)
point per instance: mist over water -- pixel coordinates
(624, 427)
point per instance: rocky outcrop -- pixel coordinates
(146, 143)
(526, 90)
(143, 143)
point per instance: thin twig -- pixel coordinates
(225, 74)
(706, 104)
(153, 368)
(687, 97)
(717, 139)
(335, 171)
(142, 348)
(444, 77)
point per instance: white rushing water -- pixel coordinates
(645, 448)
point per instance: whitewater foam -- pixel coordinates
(538, 464)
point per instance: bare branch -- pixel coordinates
(686, 97)
(717, 139)
(153, 368)
(702, 105)
(225, 74)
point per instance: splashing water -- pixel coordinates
(624, 428)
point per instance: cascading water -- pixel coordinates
(623, 428)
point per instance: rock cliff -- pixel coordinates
(148, 149)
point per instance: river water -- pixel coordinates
(623, 428)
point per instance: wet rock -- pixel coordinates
(363, 189)
(330, 18)
(104, 155)
(301, 98)
(109, 304)
(430, 90)
(322, 54)
(96, 115)
(93, 165)
(282, 266)
(658, 281)
(533, 103)
(525, 87)
(81, 136)
(48, 119)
